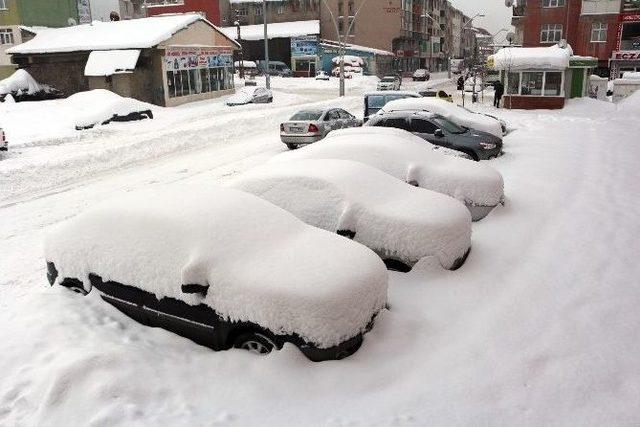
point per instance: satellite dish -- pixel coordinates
(71, 22)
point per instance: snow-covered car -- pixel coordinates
(4, 144)
(309, 126)
(348, 72)
(250, 95)
(223, 268)
(421, 75)
(459, 115)
(390, 83)
(322, 76)
(350, 60)
(401, 223)
(438, 130)
(100, 106)
(440, 94)
(407, 157)
(22, 87)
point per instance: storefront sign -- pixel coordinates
(304, 46)
(186, 59)
(627, 55)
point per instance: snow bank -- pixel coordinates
(449, 110)
(109, 62)
(126, 34)
(537, 58)
(630, 106)
(96, 106)
(394, 219)
(408, 157)
(262, 264)
(20, 81)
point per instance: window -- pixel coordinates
(598, 32)
(197, 78)
(550, 33)
(422, 126)
(398, 123)
(552, 84)
(531, 83)
(280, 9)
(340, 8)
(6, 36)
(242, 11)
(552, 3)
(513, 84)
(352, 9)
(3, 5)
(257, 9)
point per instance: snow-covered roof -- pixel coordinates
(274, 31)
(263, 265)
(394, 219)
(109, 62)
(334, 44)
(127, 34)
(528, 58)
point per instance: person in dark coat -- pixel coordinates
(460, 83)
(499, 91)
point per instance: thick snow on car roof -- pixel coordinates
(262, 264)
(97, 105)
(448, 110)
(409, 158)
(395, 219)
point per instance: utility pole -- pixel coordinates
(237, 22)
(266, 45)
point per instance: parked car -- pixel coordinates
(439, 130)
(309, 126)
(322, 76)
(390, 83)
(250, 95)
(4, 144)
(223, 268)
(374, 101)
(421, 75)
(410, 159)
(100, 106)
(457, 114)
(399, 222)
(276, 68)
(440, 94)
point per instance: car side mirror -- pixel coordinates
(439, 133)
(194, 288)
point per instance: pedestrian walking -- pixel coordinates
(461, 83)
(499, 91)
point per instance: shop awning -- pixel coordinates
(109, 62)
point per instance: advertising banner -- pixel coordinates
(304, 46)
(186, 59)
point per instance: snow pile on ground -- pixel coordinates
(125, 34)
(96, 106)
(449, 110)
(109, 62)
(20, 82)
(290, 278)
(409, 158)
(630, 106)
(394, 219)
(538, 58)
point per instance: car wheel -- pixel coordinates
(470, 155)
(292, 146)
(254, 342)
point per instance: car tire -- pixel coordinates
(470, 155)
(292, 146)
(255, 342)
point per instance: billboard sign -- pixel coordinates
(304, 46)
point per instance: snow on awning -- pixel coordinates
(109, 62)
(531, 58)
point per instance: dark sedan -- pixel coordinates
(440, 131)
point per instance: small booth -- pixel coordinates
(541, 77)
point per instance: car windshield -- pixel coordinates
(376, 101)
(307, 115)
(388, 79)
(449, 126)
(428, 93)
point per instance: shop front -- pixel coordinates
(626, 56)
(196, 73)
(304, 56)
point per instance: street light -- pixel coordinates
(426, 15)
(266, 45)
(470, 21)
(342, 40)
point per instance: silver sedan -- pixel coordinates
(309, 126)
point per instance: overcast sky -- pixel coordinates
(497, 14)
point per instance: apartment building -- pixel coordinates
(608, 30)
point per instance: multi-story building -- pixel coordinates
(608, 30)
(210, 9)
(15, 14)
(249, 12)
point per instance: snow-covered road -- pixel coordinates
(539, 327)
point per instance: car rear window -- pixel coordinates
(376, 101)
(307, 115)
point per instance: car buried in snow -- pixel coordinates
(223, 268)
(401, 223)
(309, 126)
(421, 75)
(250, 95)
(409, 158)
(101, 107)
(374, 101)
(441, 131)
(390, 83)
